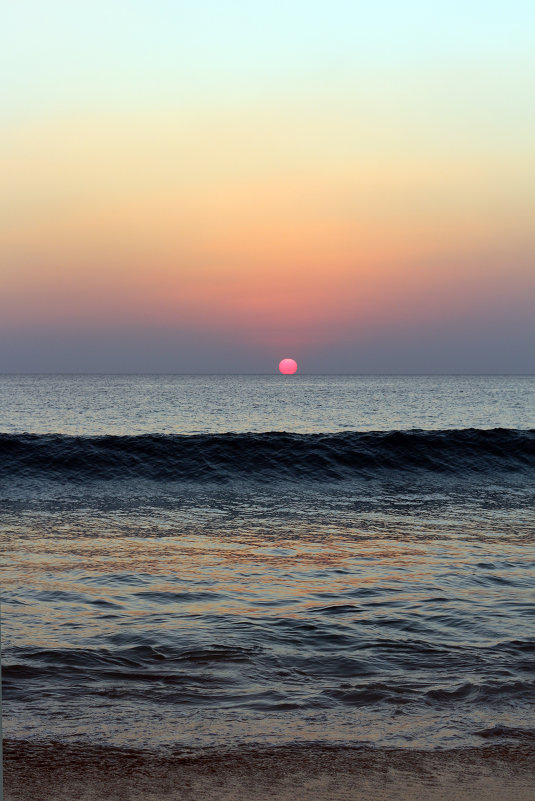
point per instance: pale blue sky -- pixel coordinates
(59, 56)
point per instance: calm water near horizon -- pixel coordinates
(368, 576)
(178, 404)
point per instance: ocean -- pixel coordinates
(201, 562)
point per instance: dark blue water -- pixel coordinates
(182, 586)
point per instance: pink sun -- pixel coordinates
(288, 366)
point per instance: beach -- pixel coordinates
(282, 774)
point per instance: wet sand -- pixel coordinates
(295, 773)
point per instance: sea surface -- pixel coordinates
(193, 562)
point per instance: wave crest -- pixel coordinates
(265, 456)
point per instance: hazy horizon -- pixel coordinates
(276, 373)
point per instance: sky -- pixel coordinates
(213, 186)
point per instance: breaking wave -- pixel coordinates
(265, 456)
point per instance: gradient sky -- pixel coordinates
(212, 186)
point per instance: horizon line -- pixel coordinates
(293, 375)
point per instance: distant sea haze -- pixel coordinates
(209, 561)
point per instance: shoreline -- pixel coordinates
(34, 770)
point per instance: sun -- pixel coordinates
(288, 366)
